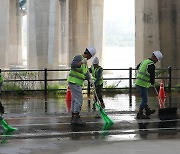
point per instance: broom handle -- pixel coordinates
(94, 88)
(156, 91)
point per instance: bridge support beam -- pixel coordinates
(157, 28)
(85, 26)
(10, 38)
(43, 34)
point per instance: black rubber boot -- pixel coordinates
(76, 120)
(141, 115)
(149, 111)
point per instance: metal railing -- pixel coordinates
(42, 80)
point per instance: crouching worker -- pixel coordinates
(145, 79)
(97, 73)
(77, 75)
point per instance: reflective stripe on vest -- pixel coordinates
(143, 76)
(78, 75)
(95, 73)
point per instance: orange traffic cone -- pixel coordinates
(68, 94)
(162, 96)
(162, 103)
(68, 99)
(162, 91)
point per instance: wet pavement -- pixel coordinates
(43, 126)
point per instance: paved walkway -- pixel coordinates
(62, 146)
(41, 132)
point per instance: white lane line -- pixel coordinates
(48, 124)
(61, 134)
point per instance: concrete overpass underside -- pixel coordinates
(59, 29)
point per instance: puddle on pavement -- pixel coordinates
(118, 102)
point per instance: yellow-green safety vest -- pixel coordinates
(143, 76)
(95, 73)
(78, 75)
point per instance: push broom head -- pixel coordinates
(168, 113)
(105, 117)
(7, 127)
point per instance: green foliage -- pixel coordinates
(54, 88)
(177, 88)
(11, 87)
(161, 73)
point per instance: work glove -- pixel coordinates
(84, 61)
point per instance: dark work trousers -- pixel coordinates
(99, 89)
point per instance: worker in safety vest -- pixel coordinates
(77, 75)
(145, 78)
(97, 73)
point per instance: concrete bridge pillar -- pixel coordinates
(60, 29)
(10, 34)
(4, 33)
(157, 28)
(15, 32)
(147, 29)
(96, 24)
(43, 34)
(85, 26)
(169, 23)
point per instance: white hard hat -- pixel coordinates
(158, 55)
(91, 50)
(95, 60)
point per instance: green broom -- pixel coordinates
(6, 126)
(105, 117)
(106, 128)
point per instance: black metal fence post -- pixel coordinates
(45, 81)
(170, 78)
(89, 90)
(130, 81)
(130, 86)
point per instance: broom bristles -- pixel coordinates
(103, 114)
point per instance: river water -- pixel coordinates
(118, 58)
